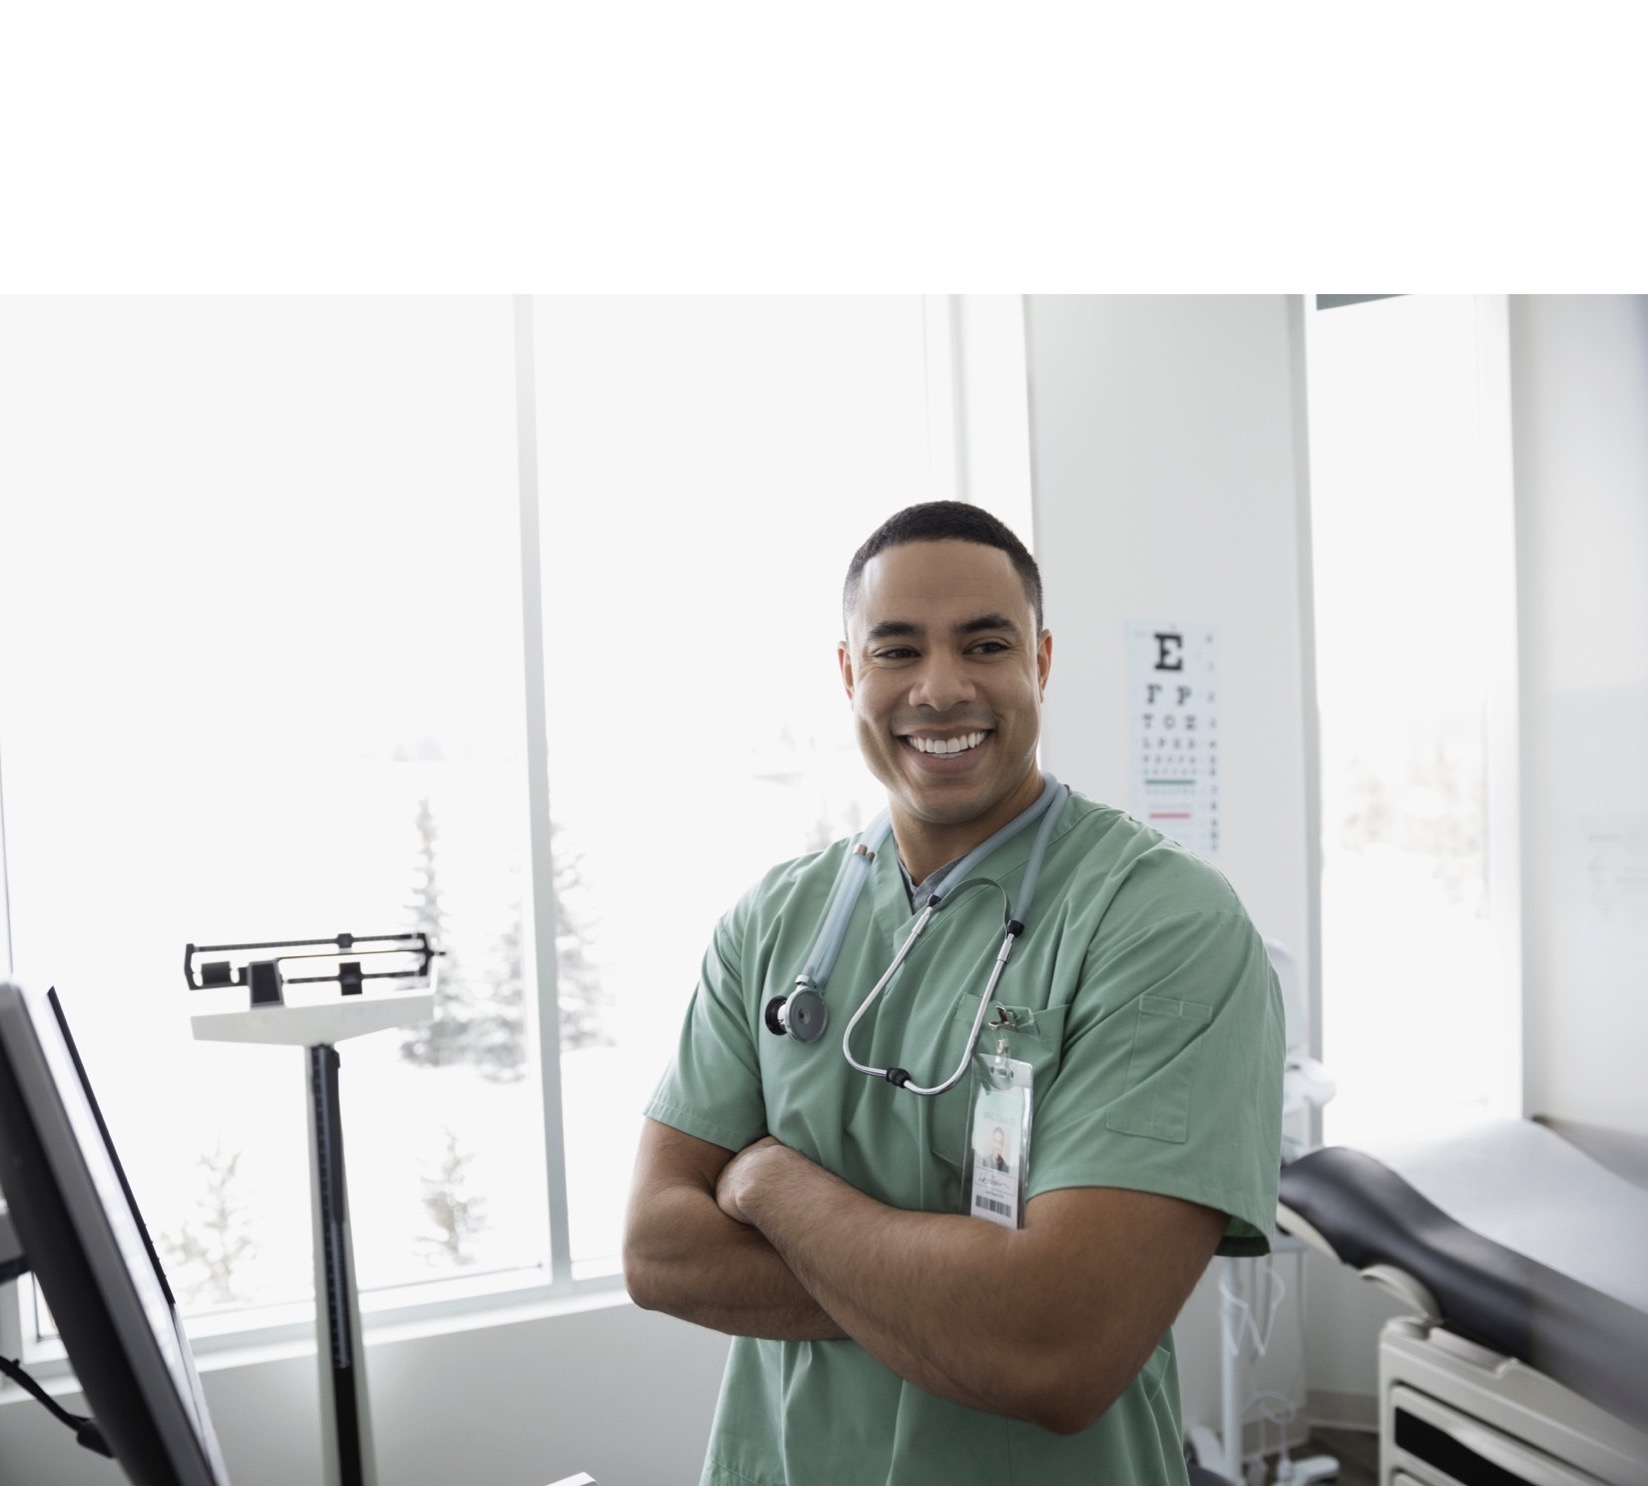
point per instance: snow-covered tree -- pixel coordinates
(486, 1026)
(498, 1041)
(578, 988)
(208, 1251)
(455, 1217)
(449, 1033)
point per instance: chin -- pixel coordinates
(953, 811)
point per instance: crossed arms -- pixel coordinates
(1048, 1323)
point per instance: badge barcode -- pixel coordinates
(991, 1206)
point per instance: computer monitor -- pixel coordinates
(84, 1239)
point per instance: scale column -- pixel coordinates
(346, 1424)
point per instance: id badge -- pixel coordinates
(998, 1157)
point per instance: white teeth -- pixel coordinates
(947, 745)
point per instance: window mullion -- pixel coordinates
(11, 1296)
(946, 450)
(1300, 313)
(537, 766)
(1503, 805)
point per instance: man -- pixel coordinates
(997, 1159)
(816, 1215)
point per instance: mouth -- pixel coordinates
(947, 752)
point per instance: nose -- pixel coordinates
(941, 683)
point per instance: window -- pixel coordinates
(1411, 516)
(707, 469)
(262, 654)
(272, 665)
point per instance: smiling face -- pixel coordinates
(945, 671)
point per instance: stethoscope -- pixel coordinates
(802, 1013)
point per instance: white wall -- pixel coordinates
(1579, 368)
(1167, 452)
(1167, 486)
(622, 1393)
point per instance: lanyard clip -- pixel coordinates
(1001, 1072)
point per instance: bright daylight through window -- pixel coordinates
(262, 676)
(708, 468)
(1415, 654)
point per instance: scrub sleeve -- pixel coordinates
(1163, 1052)
(713, 1089)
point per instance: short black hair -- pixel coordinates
(944, 521)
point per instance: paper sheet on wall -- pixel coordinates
(1616, 873)
(1173, 751)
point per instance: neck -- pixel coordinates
(924, 846)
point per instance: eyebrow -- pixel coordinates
(903, 629)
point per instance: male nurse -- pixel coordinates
(882, 1334)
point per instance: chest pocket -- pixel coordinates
(1038, 1040)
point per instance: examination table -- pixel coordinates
(1526, 1264)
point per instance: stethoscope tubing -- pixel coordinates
(848, 886)
(1047, 809)
(900, 1077)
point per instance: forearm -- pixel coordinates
(685, 1257)
(947, 1302)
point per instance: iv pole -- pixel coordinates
(346, 1423)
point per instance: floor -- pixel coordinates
(1357, 1452)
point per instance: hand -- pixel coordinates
(742, 1175)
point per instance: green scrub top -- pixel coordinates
(1149, 1011)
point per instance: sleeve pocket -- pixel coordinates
(1156, 1099)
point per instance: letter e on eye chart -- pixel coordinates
(1173, 731)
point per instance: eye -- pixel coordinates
(895, 652)
(990, 647)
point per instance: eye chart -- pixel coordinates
(1172, 680)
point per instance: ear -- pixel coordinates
(1044, 658)
(845, 661)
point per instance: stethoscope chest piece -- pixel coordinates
(802, 1014)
